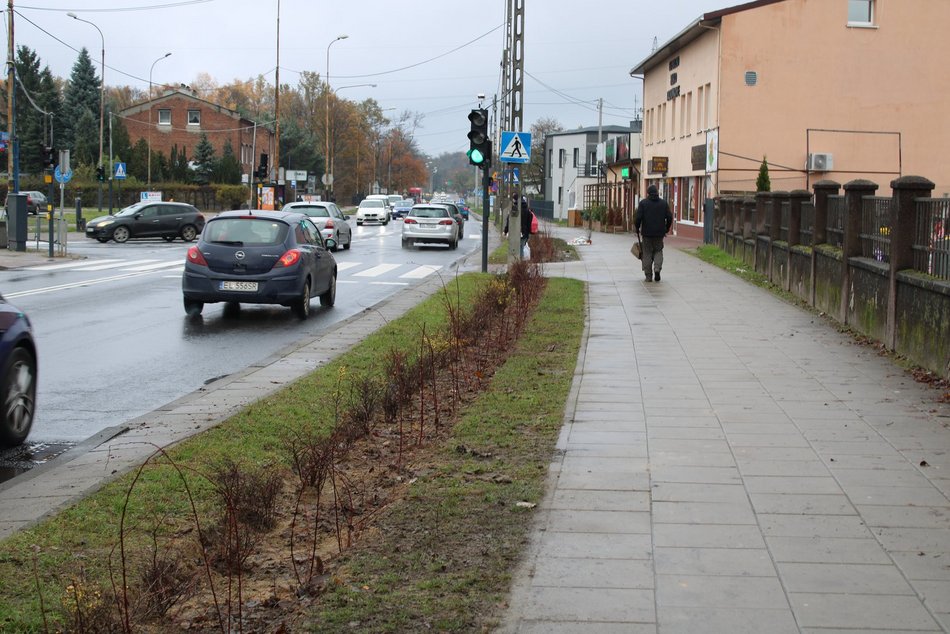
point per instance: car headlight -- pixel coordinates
(105, 223)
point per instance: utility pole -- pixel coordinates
(514, 103)
(13, 179)
(276, 162)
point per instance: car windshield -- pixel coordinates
(372, 203)
(429, 212)
(245, 231)
(314, 211)
(131, 210)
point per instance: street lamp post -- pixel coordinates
(102, 95)
(327, 169)
(150, 118)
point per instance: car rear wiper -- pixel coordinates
(233, 243)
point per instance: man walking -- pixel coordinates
(654, 215)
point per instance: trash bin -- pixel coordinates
(17, 229)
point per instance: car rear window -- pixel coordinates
(430, 212)
(313, 212)
(245, 231)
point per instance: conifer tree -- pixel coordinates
(763, 183)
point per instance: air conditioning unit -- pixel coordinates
(820, 162)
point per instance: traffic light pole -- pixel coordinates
(486, 211)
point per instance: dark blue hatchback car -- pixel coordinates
(18, 379)
(259, 257)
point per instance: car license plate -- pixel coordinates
(238, 286)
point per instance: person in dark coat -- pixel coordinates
(525, 221)
(653, 221)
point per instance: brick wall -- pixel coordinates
(217, 122)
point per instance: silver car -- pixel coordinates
(428, 224)
(332, 222)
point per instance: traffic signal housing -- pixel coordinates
(262, 168)
(49, 157)
(100, 174)
(479, 152)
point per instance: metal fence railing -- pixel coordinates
(835, 225)
(931, 242)
(876, 228)
(807, 228)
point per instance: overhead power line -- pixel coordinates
(431, 59)
(170, 5)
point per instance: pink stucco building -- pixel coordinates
(823, 89)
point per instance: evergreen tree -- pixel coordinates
(178, 168)
(227, 168)
(32, 126)
(138, 161)
(204, 161)
(763, 183)
(81, 98)
(120, 142)
(85, 146)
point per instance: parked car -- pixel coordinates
(430, 224)
(35, 202)
(401, 208)
(166, 220)
(18, 364)
(456, 213)
(332, 222)
(259, 257)
(372, 210)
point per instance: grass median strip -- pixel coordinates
(441, 554)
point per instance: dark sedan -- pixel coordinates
(18, 380)
(166, 220)
(259, 257)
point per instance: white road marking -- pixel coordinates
(342, 266)
(119, 264)
(421, 271)
(63, 287)
(152, 267)
(67, 265)
(378, 270)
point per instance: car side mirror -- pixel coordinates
(346, 217)
(138, 216)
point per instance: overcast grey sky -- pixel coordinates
(575, 52)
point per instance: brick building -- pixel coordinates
(178, 117)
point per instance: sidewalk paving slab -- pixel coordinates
(790, 479)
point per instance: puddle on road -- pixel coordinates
(14, 462)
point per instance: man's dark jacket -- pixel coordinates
(653, 219)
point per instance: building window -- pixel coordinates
(164, 117)
(700, 100)
(688, 128)
(560, 195)
(561, 156)
(194, 117)
(577, 154)
(550, 163)
(707, 106)
(673, 119)
(860, 11)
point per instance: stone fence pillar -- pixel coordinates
(823, 189)
(854, 193)
(797, 198)
(748, 210)
(903, 232)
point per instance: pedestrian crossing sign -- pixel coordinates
(119, 170)
(516, 147)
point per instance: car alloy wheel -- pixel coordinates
(121, 234)
(19, 398)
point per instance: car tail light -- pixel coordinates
(446, 222)
(195, 257)
(410, 221)
(329, 225)
(289, 259)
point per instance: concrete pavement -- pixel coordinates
(732, 463)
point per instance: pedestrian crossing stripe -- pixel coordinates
(516, 147)
(414, 272)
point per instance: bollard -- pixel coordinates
(80, 221)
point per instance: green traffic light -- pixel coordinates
(476, 156)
